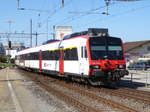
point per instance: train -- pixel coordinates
(92, 56)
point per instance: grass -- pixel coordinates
(6, 64)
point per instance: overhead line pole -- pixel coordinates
(31, 32)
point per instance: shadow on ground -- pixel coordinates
(131, 84)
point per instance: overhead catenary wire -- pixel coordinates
(79, 15)
(74, 17)
(70, 18)
(55, 11)
(114, 15)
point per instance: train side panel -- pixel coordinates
(78, 65)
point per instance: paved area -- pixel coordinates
(138, 79)
(18, 94)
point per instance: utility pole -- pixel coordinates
(36, 34)
(9, 42)
(54, 32)
(62, 3)
(31, 33)
(47, 29)
(9, 28)
(18, 3)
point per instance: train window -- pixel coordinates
(44, 55)
(37, 56)
(74, 54)
(67, 54)
(85, 52)
(114, 41)
(97, 48)
(82, 51)
(114, 48)
(28, 56)
(52, 55)
(31, 56)
(95, 41)
(49, 55)
(57, 54)
(115, 52)
(70, 54)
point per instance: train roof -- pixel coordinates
(92, 32)
(50, 41)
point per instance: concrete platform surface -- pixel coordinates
(18, 94)
(138, 79)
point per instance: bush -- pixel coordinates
(12, 60)
(3, 59)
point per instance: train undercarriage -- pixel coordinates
(107, 77)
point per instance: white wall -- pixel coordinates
(11, 52)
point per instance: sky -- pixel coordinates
(128, 20)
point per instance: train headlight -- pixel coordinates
(121, 66)
(95, 66)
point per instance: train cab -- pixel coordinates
(106, 57)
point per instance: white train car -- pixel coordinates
(66, 56)
(92, 55)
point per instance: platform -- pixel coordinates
(19, 94)
(138, 79)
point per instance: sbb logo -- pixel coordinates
(46, 65)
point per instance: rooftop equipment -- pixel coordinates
(92, 32)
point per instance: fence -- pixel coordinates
(140, 76)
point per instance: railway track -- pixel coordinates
(100, 99)
(127, 93)
(74, 101)
(67, 98)
(40, 80)
(136, 94)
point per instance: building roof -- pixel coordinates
(132, 45)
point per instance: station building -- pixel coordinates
(138, 50)
(14, 48)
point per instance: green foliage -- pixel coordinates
(5, 64)
(3, 59)
(12, 61)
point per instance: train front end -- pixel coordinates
(106, 59)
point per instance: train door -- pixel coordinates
(61, 62)
(40, 60)
(83, 60)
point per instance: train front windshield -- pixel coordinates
(106, 48)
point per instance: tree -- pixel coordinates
(3, 59)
